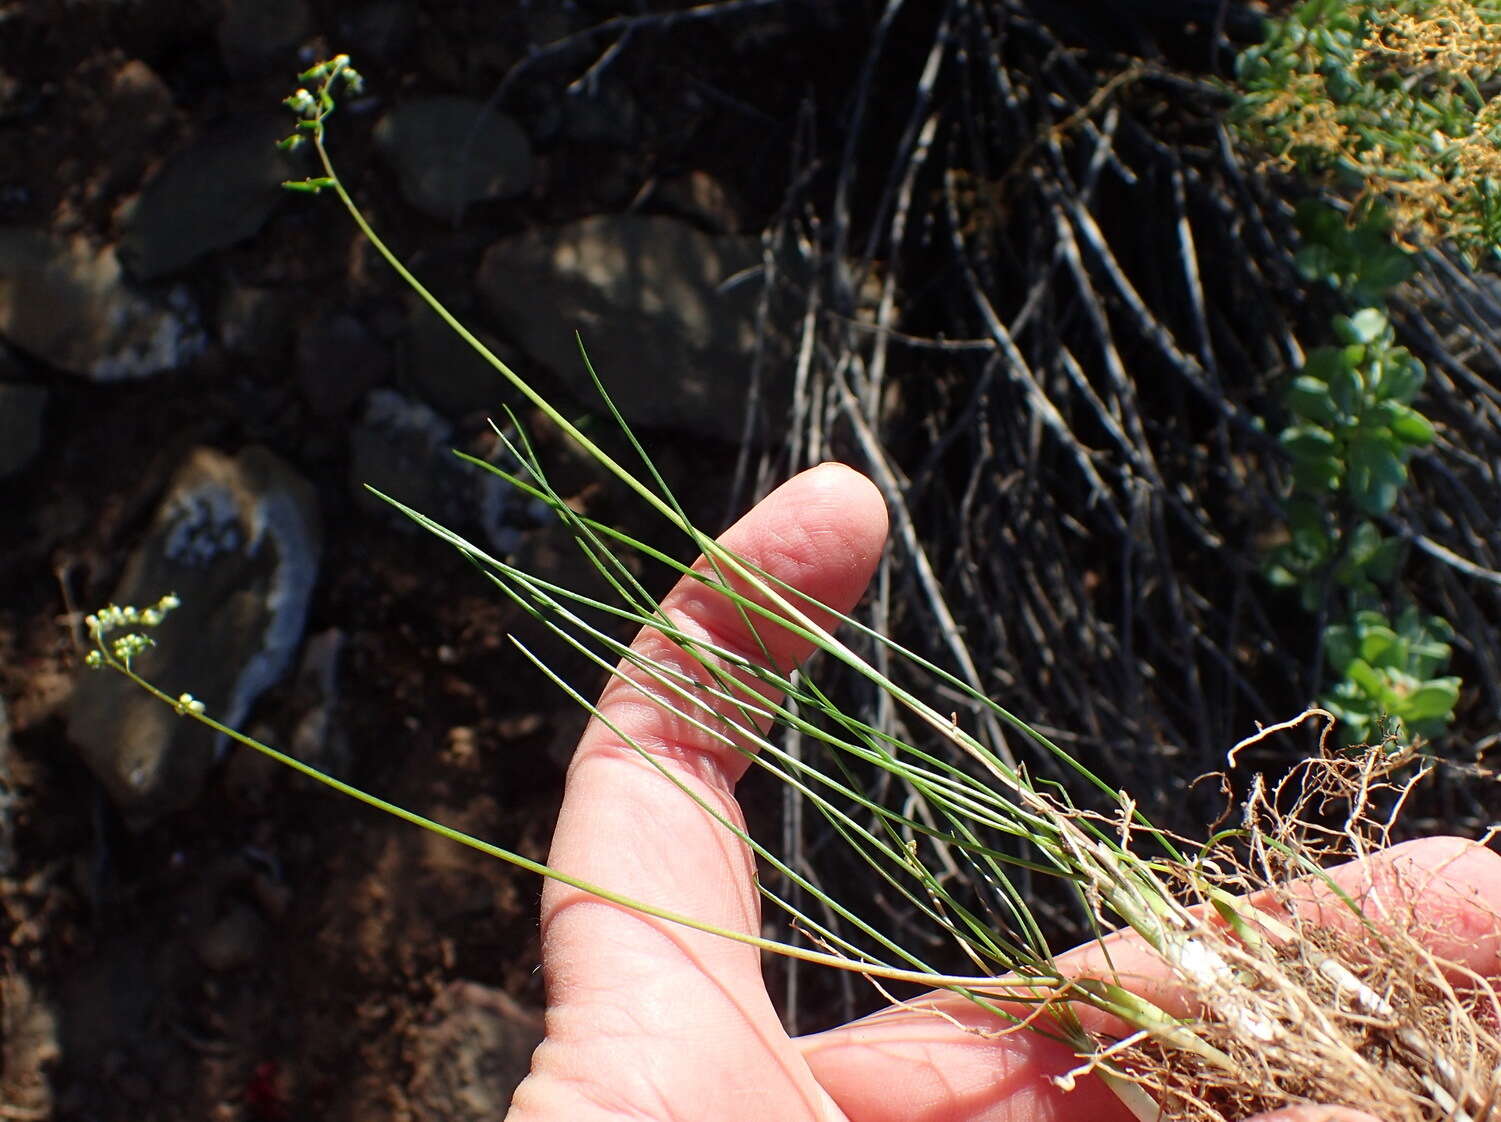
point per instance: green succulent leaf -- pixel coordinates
(1341, 647)
(1370, 682)
(1376, 473)
(1323, 363)
(1346, 386)
(1369, 325)
(1310, 399)
(1409, 426)
(1307, 442)
(1383, 649)
(1434, 700)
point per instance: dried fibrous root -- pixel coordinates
(1369, 1022)
(1323, 989)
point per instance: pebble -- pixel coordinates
(260, 35)
(238, 540)
(451, 152)
(217, 191)
(669, 332)
(68, 302)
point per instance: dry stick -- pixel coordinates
(1016, 365)
(1191, 369)
(1413, 321)
(909, 155)
(844, 288)
(886, 310)
(1197, 519)
(1137, 446)
(885, 475)
(659, 21)
(1125, 392)
(1466, 519)
(1459, 604)
(791, 801)
(1270, 248)
(910, 151)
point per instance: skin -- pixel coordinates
(649, 1020)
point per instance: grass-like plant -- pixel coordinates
(1294, 994)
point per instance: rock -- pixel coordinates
(68, 303)
(237, 539)
(404, 449)
(673, 345)
(20, 425)
(448, 372)
(217, 191)
(468, 1057)
(382, 30)
(400, 449)
(338, 362)
(255, 35)
(450, 152)
(700, 198)
(139, 100)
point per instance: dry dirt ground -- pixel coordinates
(271, 952)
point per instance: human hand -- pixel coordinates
(650, 1020)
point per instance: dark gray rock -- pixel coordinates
(700, 198)
(67, 302)
(404, 449)
(217, 191)
(382, 30)
(468, 1057)
(237, 539)
(338, 362)
(400, 448)
(672, 340)
(450, 152)
(448, 372)
(258, 35)
(20, 425)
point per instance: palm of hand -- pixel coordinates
(649, 1020)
